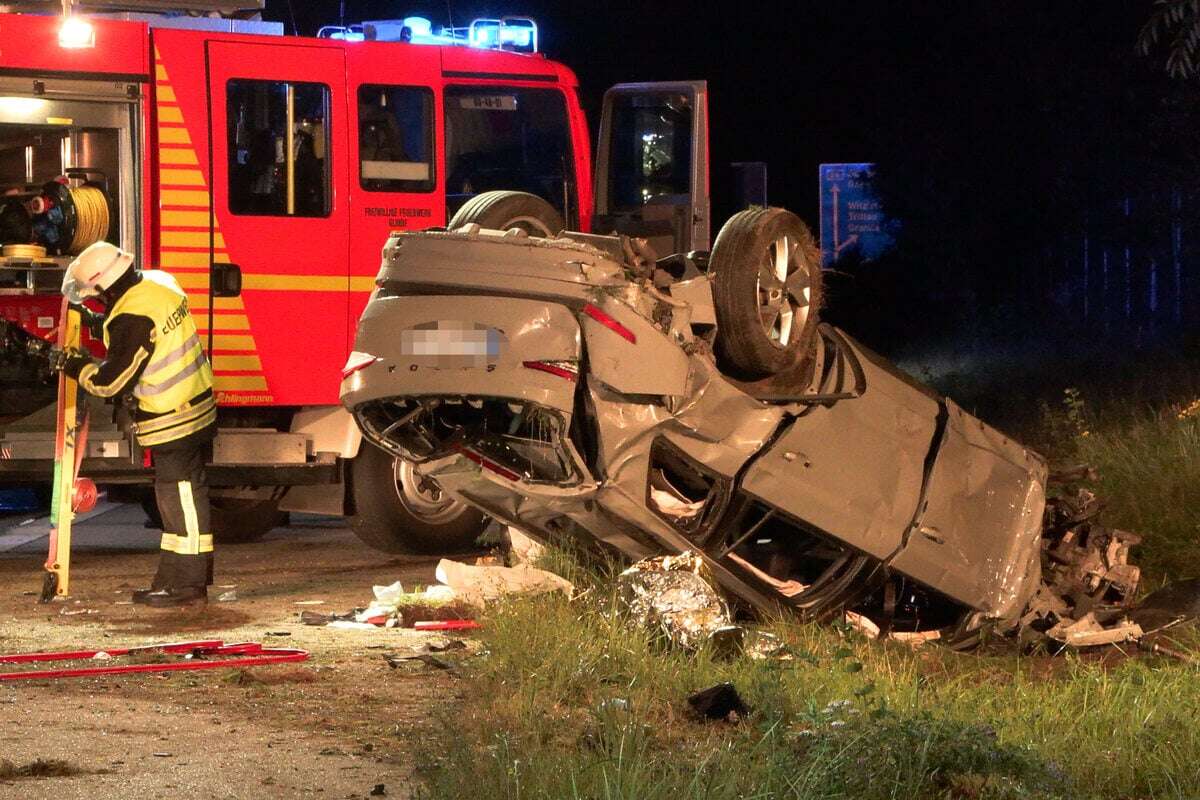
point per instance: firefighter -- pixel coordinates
(155, 355)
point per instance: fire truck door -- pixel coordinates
(279, 143)
(652, 164)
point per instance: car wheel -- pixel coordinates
(501, 210)
(396, 514)
(767, 290)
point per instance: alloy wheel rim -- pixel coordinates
(783, 288)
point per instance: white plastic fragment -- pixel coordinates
(481, 585)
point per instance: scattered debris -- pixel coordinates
(863, 625)
(719, 702)
(915, 638)
(395, 661)
(522, 548)
(230, 596)
(351, 625)
(447, 625)
(614, 704)
(309, 603)
(316, 618)
(445, 645)
(1088, 632)
(482, 585)
(764, 646)
(163, 755)
(1087, 584)
(68, 612)
(672, 594)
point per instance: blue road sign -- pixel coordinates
(853, 221)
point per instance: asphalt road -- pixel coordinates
(334, 726)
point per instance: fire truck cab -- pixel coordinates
(265, 173)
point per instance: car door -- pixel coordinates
(279, 136)
(652, 165)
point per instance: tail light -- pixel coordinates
(488, 464)
(358, 361)
(563, 369)
(610, 323)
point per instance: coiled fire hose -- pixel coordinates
(68, 219)
(91, 209)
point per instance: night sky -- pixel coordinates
(1006, 133)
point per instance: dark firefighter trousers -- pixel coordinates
(181, 490)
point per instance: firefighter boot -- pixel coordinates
(172, 598)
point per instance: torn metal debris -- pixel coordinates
(670, 594)
(580, 387)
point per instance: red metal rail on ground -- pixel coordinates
(245, 654)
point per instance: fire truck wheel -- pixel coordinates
(234, 519)
(502, 210)
(767, 291)
(395, 514)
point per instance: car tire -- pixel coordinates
(393, 516)
(767, 289)
(503, 210)
(235, 520)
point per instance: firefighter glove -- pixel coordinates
(56, 357)
(91, 320)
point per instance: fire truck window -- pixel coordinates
(264, 178)
(504, 138)
(651, 151)
(395, 138)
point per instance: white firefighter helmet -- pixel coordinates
(94, 270)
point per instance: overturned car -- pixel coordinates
(579, 386)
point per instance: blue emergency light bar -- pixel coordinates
(519, 34)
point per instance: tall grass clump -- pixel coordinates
(1148, 465)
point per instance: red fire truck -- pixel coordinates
(265, 172)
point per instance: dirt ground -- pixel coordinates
(335, 726)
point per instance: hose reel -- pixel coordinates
(67, 219)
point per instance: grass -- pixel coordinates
(573, 701)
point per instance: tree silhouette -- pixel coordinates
(1175, 24)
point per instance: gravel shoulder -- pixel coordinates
(336, 725)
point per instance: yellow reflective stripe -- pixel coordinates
(181, 545)
(178, 432)
(190, 522)
(90, 386)
(176, 418)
